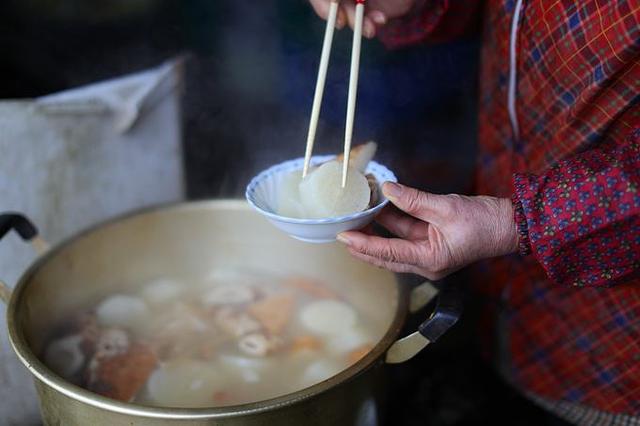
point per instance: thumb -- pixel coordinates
(419, 204)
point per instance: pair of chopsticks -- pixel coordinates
(320, 83)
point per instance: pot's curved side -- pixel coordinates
(357, 402)
(62, 279)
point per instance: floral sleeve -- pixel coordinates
(582, 217)
(433, 21)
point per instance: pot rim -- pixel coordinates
(49, 378)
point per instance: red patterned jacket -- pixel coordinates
(569, 156)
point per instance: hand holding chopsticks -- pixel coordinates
(353, 84)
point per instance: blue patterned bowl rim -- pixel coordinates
(382, 174)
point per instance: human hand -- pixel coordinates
(436, 234)
(377, 13)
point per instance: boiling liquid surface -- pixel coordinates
(229, 338)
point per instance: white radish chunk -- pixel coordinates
(329, 317)
(288, 200)
(185, 383)
(64, 356)
(249, 369)
(349, 339)
(236, 362)
(323, 196)
(121, 310)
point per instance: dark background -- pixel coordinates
(250, 76)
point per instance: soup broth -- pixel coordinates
(228, 339)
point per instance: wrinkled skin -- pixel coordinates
(436, 234)
(377, 13)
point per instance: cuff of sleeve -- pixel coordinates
(522, 227)
(416, 26)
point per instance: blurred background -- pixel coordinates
(250, 75)
(246, 91)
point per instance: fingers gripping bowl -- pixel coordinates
(263, 194)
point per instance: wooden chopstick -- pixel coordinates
(353, 87)
(320, 83)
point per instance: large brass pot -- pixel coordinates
(196, 237)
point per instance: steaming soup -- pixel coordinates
(233, 339)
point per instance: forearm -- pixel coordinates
(506, 230)
(582, 217)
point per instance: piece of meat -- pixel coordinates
(258, 344)
(360, 155)
(123, 375)
(88, 327)
(305, 343)
(68, 354)
(273, 312)
(373, 187)
(112, 341)
(235, 323)
(313, 288)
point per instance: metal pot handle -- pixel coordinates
(446, 313)
(28, 231)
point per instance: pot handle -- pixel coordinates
(446, 313)
(28, 231)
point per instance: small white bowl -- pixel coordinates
(262, 194)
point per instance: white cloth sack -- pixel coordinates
(71, 159)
